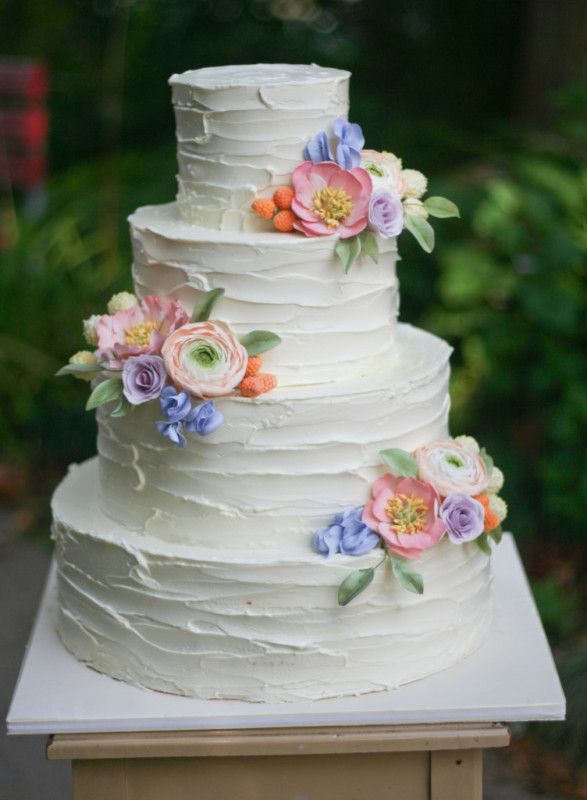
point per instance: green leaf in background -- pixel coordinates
(104, 392)
(257, 342)
(441, 207)
(122, 408)
(348, 250)
(487, 460)
(354, 584)
(482, 543)
(421, 230)
(369, 245)
(205, 303)
(71, 369)
(410, 580)
(400, 462)
(496, 534)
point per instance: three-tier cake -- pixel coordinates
(213, 569)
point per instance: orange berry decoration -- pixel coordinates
(264, 207)
(257, 384)
(253, 366)
(490, 518)
(282, 197)
(284, 221)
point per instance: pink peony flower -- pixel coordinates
(140, 329)
(205, 358)
(451, 468)
(404, 511)
(329, 199)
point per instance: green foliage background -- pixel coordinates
(506, 285)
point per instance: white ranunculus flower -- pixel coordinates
(495, 481)
(121, 302)
(415, 183)
(385, 170)
(90, 332)
(499, 506)
(469, 442)
(451, 468)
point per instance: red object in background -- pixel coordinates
(27, 81)
(25, 171)
(24, 127)
(24, 124)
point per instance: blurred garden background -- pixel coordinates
(488, 98)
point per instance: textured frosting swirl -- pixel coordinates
(242, 129)
(253, 624)
(332, 325)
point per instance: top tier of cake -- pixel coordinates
(242, 129)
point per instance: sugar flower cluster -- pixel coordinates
(153, 350)
(355, 193)
(444, 488)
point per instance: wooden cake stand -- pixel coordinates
(422, 741)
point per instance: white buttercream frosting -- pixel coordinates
(282, 465)
(191, 570)
(331, 324)
(242, 130)
(250, 624)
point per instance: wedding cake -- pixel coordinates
(276, 511)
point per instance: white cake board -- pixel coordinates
(512, 677)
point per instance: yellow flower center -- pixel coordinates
(406, 513)
(140, 333)
(332, 205)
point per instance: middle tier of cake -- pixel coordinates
(333, 326)
(279, 467)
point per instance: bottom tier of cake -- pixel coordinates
(250, 624)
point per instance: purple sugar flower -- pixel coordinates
(386, 213)
(350, 143)
(143, 378)
(173, 432)
(203, 419)
(317, 149)
(463, 517)
(348, 535)
(175, 405)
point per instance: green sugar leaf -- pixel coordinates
(496, 534)
(71, 369)
(483, 544)
(369, 245)
(354, 584)
(122, 408)
(441, 207)
(205, 303)
(348, 251)
(421, 230)
(104, 392)
(400, 462)
(410, 580)
(257, 342)
(487, 460)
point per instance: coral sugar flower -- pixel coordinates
(404, 511)
(329, 199)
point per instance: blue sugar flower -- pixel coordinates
(173, 432)
(318, 149)
(174, 405)
(203, 419)
(348, 535)
(350, 143)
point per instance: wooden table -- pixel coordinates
(379, 762)
(424, 740)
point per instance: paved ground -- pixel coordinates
(24, 773)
